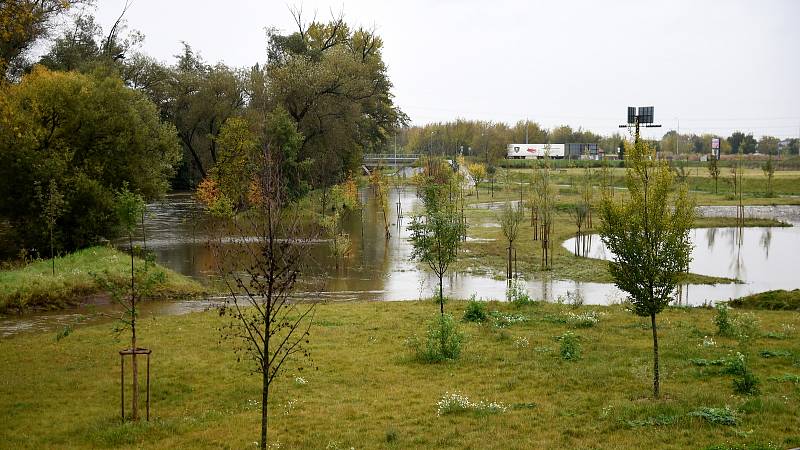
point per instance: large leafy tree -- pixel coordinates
(199, 99)
(648, 233)
(88, 134)
(22, 24)
(334, 84)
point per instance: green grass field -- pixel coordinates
(365, 390)
(34, 286)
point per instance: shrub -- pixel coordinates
(442, 341)
(744, 382)
(746, 328)
(723, 320)
(747, 384)
(391, 435)
(476, 310)
(570, 347)
(516, 293)
(735, 365)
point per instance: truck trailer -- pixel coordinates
(556, 151)
(535, 151)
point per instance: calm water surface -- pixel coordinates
(380, 269)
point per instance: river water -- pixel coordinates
(379, 269)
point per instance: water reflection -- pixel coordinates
(766, 241)
(380, 269)
(763, 258)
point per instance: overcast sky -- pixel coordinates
(716, 66)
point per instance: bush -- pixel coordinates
(442, 342)
(735, 365)
(746, 328)
(517, 295)
(744, 382)
(570, 347)
(747, 384)
(476, 311)
(723, 320)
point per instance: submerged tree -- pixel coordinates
(648, 234)
(510, 219)
(380, 186)
(545, 203)
(435, 235)
(769, 172)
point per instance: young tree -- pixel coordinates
(435, 236)
(129, 207)
(380, 186)
(510, 219)
(345, 200)
(587, 194)
(271, 325)
(579, 214)
(769, 172)
(546, 195)
(713, 170)
(478, 173)
(649, 236)
(52, 208)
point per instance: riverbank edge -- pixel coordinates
(33, 287)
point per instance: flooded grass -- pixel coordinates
(363, 389)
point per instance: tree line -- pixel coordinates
(486, 141)
(94, 112)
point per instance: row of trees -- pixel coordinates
(487, 141)
(672, 142)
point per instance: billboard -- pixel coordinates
(715, 147)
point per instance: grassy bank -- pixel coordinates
(34, 286)
(368, 391)
(773, 300)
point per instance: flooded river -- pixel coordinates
(380, 269)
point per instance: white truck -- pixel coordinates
(535, 151)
